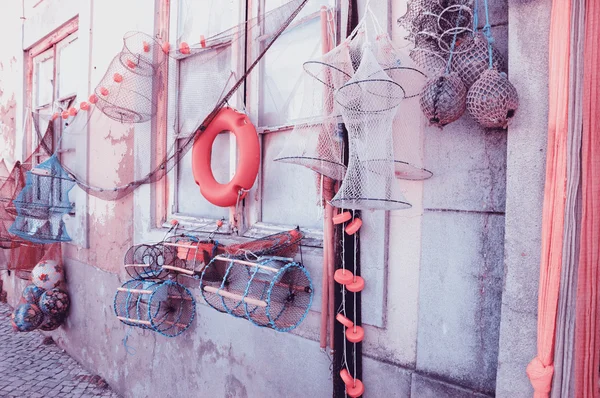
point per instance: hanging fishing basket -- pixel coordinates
(493, 101)
(271, 293)
(146, 261)
(472, 59)
(443, 99)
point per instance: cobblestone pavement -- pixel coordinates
(29, 368)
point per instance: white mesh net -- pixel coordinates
(369, 102)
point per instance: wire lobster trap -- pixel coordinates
(165, 307)
(271, 292)
(146, 261)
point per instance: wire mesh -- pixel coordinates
(270, 293)
(146, 261)
(492, 101)
(130, 303)
(171, 308)
(444, 99)
(282, 244)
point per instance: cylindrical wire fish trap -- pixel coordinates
(171, 308)
(492, 101)
(124, 95)
(444, 99)
(142, 54)
(472, 59)
(147, 261)
(271, 293)
(165, 307)
(130, 303)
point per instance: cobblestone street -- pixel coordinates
(29, 368)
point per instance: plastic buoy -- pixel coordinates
(346, 378)
(356, 389)
(117, 77)
(166, 47)
(354, 226)
(174, 222)
(344, 320)
(55, 116)
(343, 276)
(72, 111)
(65, 114)
(202, 41)
(342, 217)
(357, 285)
(355, 334)
(104, 91)
(184, 48)
(146, 47)
(93, 99)
(84, 106)
(219, 223)
(130, 64)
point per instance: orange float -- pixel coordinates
(226, 195)
(104, 91)
(118, 78)
(65, 114)
(346, 378)
(356, 285)
(72, 111)
(146, 47)
(356, 389)
(343, 276)
(166, 47)
(355, 334)
(184, 48)
(342, 217)
(353, 226)
(93, 99)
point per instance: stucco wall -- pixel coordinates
(436, 331)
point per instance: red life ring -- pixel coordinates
(226, 195)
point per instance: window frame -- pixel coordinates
(250, 220)
(54, 41)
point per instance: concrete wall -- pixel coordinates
(448, 321)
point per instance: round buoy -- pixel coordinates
(104, 91)
(355, 390)
(357, 285)
(146, 47)
(166, 47)
(130, 64)
(72, 111)
(355, 334)
(118, 78)
(93, 99)
(64, 114)
(84, 106)
(343, 276)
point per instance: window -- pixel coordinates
(284, 195)
(56, 80)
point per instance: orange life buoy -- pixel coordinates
(226, 195)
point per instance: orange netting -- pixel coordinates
(541, 369)
(587, 324)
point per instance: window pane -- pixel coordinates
(206, 18)
(189, 199)
(289, 193)
(69, 70)
(44, 82)
(282, 73)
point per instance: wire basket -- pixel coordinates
(271, 293)
(165, 307)
(147, 261)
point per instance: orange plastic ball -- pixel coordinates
(219, 223)
(72, 111)
(93, 99)
(166, 47)
(118, 78)
(104, 91)
(84, 106)
(65, 114)
(130, 64)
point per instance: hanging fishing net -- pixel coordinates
(472, 59)
(369, 102)
(492, 101)
(270, 293)
(444, 99)
(42, 204)
(123, 109)
(316, 141)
